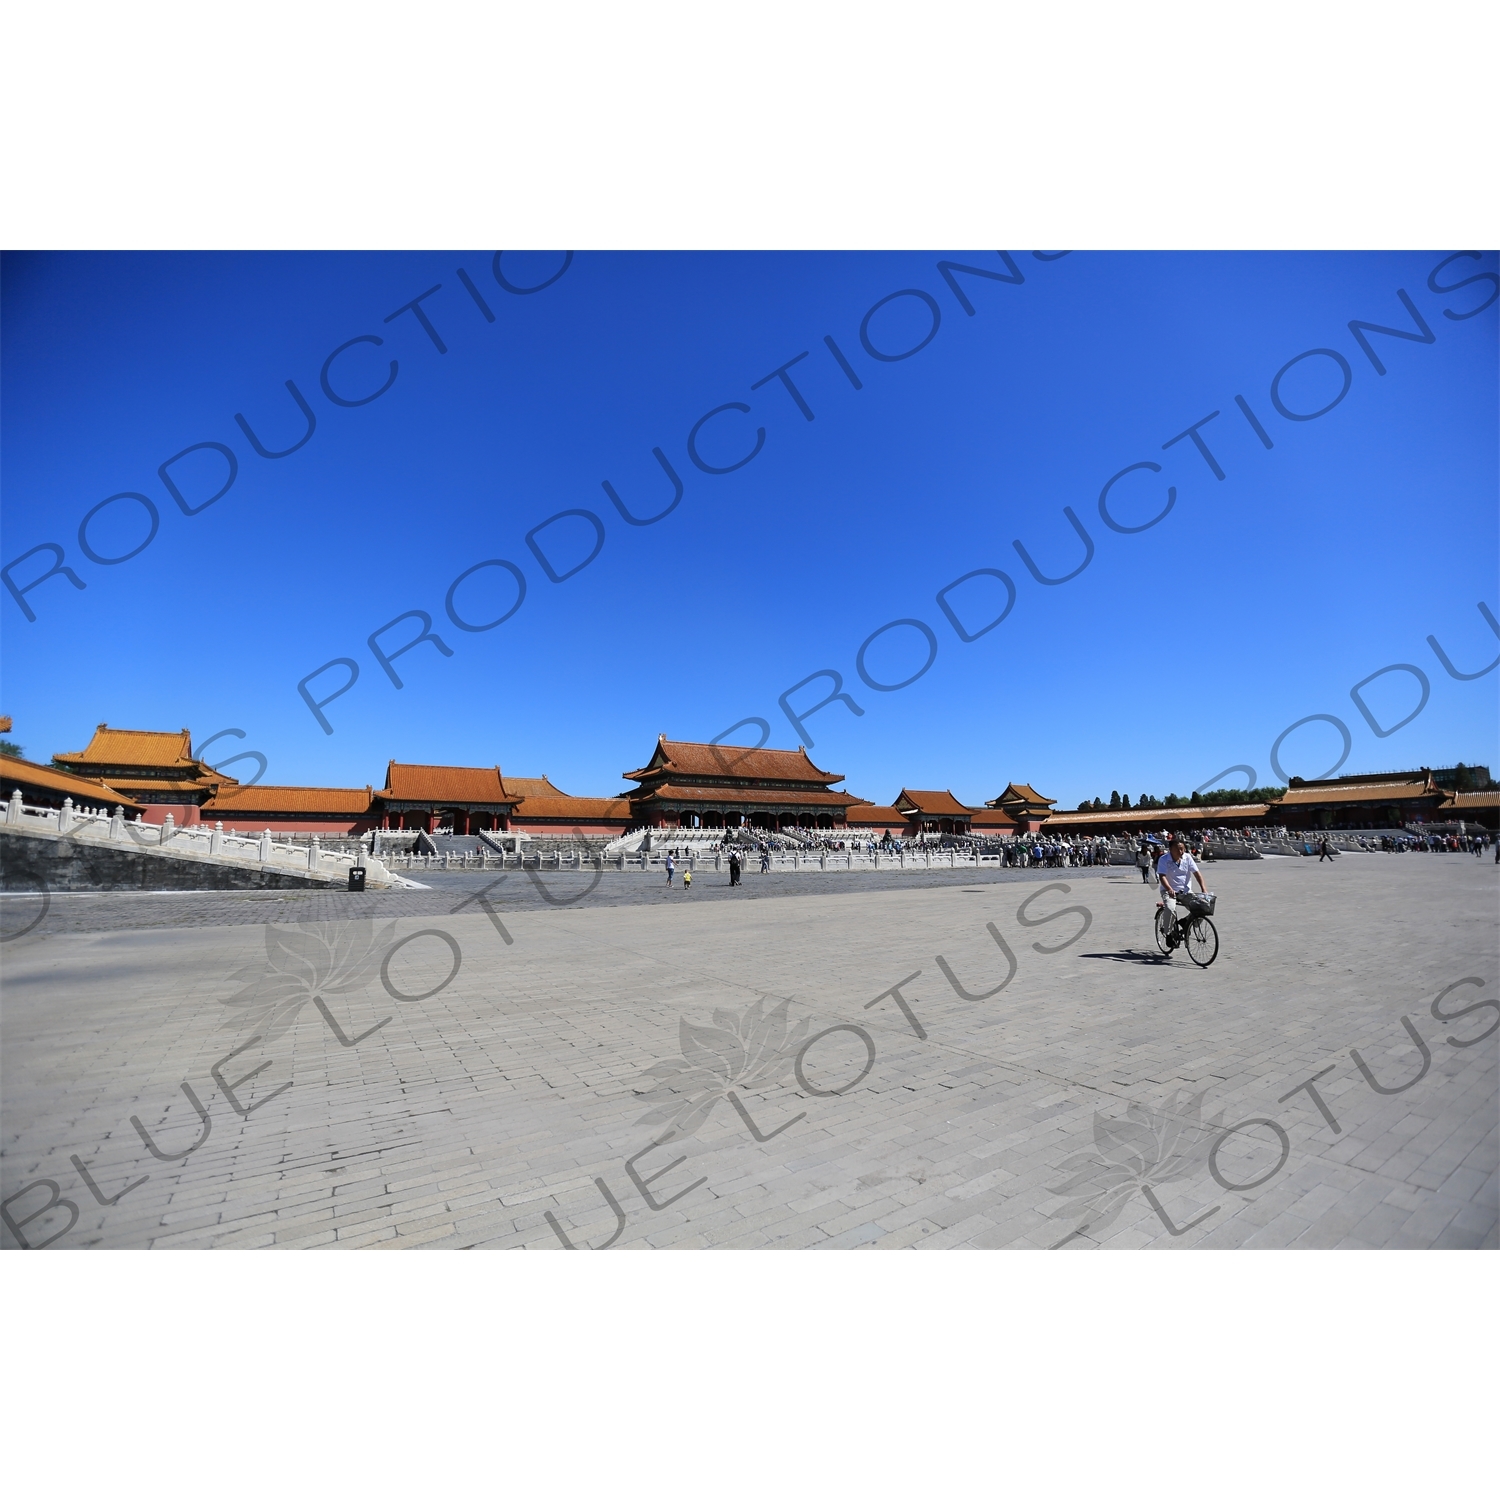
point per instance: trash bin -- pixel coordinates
(357, 878)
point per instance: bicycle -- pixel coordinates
(1186, 924)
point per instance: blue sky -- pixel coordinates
(1181, 649)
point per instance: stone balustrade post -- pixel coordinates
(117, 824)
(14, 806)
(265, 847)
(216, 840)
(168, 828)
(314, 855)
(65, 817)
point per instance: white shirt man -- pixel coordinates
(1176, 869)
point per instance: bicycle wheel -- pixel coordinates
(1202, 942)
(1163, 931)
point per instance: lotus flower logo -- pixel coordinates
(307, 962)
(1146, 1149)
(737, 1052)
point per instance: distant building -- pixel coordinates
(934, 812)
(1129, 822)
(1023, 806)
(875, 820)
(44, 786)
(157, 768)
(293, 809)
(1473, 809)
(687, 785)
(546, 809)
(464, 799)
(1389, 800)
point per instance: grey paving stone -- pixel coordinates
(472, 1114)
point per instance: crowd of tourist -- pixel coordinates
(1040, 852)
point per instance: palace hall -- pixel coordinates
(682, 785)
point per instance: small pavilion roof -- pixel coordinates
(992, 817)
(933, 804)
(531, 786)
(1020, 791)
(869, 815)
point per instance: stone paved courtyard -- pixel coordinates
(483, 1065)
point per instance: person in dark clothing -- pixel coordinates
(1324, 852)
(734, 868)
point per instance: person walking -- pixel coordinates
(734, 868)
(1324, 852)
(1143, 862)
(671, 866)
(687, 878)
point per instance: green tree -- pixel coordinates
(1114, 801)
(9, 747)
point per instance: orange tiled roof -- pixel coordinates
(688, 759)
(933, 804)
(335, 801)
(15, 772)
(795, 796)
(1373, 778)
(1458, 801)
(1019, 791)
(531, 786)
(1375, 789)
(433, 784)
(575, 809)
(133, 747)
(191, 790)
(1156, 817)
(991, 817)
(868, 815)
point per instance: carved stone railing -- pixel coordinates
(96, 826)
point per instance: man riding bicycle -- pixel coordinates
(1175, 871)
